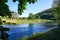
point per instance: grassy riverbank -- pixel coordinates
(53, 34)
(22, 21)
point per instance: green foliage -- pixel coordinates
(14, 0)
(4, 8)
(3, 1)
(23, 18)
(55, 3)
(22, 4)
(45, 14)
(31, 16)
(0, 22)
(56, 11)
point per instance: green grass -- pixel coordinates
(22, 21)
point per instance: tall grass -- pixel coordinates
(21, 21)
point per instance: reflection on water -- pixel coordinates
(22, 30)
(3, 34)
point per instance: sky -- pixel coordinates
(38, 6)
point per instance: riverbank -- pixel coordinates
(53, 34)
(22, 21)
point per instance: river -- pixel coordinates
(22, 30)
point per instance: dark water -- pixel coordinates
(22, 30)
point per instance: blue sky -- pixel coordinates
(39, 6)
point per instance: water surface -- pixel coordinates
(22, 30)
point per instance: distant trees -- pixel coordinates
(46, 14)
(24, 18)
(31, 16)
(37, 16)
(51, 13)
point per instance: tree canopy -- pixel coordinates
(4, 8)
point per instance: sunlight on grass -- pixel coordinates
(22, 21)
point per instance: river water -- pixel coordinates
(22, 30)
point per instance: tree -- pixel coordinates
(56, 11)
(55, 3)
(4, 11)
(4, 8)
(31, 16)
(22, 4)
